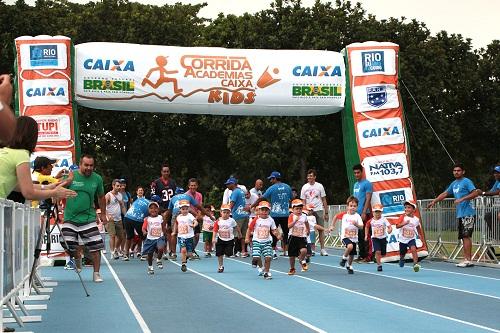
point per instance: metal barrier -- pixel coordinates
(19, 229)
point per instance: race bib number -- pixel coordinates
(224, 233)
(156, 232)
(298, 231)
(206, 226)
(378, 231)
(408, 233)
(351, 233)
(183, 229)
(262, 233)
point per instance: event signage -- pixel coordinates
(53, 128)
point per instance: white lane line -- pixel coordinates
(413, 281)
(133, 308)
(384, 300)
(438, 270)
(284, 314)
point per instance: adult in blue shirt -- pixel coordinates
(279, 195)
(134, 218)
(494, 191)
(463, 190)
(363, 190)
(240, 213)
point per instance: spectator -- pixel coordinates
(257, 189)
(493, 230)
(198, 197)
(15, 165)
(495, 189)
(7, 119)
(126, 196)
(464, 191)
(363, 190)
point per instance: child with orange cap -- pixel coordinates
(380, 228)
(184, 226)
(223, 235)
(297, 241)
(408, 224)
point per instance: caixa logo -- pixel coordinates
(381, 131)
(372, 61)
(317, 71)
(109, 65)
(45, 91)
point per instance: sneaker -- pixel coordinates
(313, 254)
(138, 255)
(104, 251)
(401, 263)
(416, 267)
(70, 265)
(195, 256)
(159, 263)
(120, 253)
(125, 258)
(275, 255)
(183, 267)
(207, 255)
(267, 276)
(221, 269)
(342, 262)
(305, 266)
(115, 255)
(97, 277)
(291, 271)
(151, 270)
(165, 256)
(465, 263)
(308, 260)
(245, 255)
(144, 257)
(261, 271)
(379, 268)
(350, 270)
(238, 254)
(172, 256)
(323, 252)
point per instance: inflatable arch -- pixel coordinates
(361, 81)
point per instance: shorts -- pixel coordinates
(115, 228)
(197, 229)
(319, 217)
(465, 226)
(283, 222)
(243, 224)
(88, 233)
(295, 244)
(207, 236)
(224, 247)
(262, 249)
(130, 226)
(403, 248)
(347, 241)
(185, 242)
(379, 244)
(150, 245)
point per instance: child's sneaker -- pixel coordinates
(323, 252)
(305, 266)
(97, 277)
(221, 269)
(151, 270)
(379, 268)
(195, 256)
(183, 267)
(144, 257)
(342, 262)
(261, 271)
(350, 270)
(159, 263)
(172, 256)
(275, 255)
(138, 255)
(308, 260)
(115, 255)
(208, 255)
(245, 255)
(291, 271)
(267, 276)
(70, 265)
(125, 258)
(416, 267)
(401, 263)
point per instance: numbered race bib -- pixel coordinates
(156, 232)
(206, 226)
(408, 233)
(183, 229)
(298, 231)
(378, 231)
(224, 233)
(351, 233)
(262, 233)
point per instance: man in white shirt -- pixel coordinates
(257, 189)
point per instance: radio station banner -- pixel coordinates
(202, 80)
(44, 92)
(374, 131)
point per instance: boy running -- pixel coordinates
(155, 230)
(313, 226)
(262, 226)
(184, 226)
(408, 224)
(297, 241)
(223, 235)
(380, 228)
(351, 222)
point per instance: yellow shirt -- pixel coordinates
(10, 159)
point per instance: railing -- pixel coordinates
(19, 229)
(440, 227)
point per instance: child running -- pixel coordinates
(297, 241)
(408, 224)
(155, 230)
(351, 222)
(208, 228)
(313, 226)
(262, 226)
(380, 228)
(223, 235)
(184, 226)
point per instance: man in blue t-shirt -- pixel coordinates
(279, 195)
(463, 190)
(488, 216)
(363, 190)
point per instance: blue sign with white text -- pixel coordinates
(43, 55)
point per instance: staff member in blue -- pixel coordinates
(463, 190)
(363, 190)
(134, 218)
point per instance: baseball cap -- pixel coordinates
(297, 203)
(179, 190)
(225, 207)
(264, 204)
(153, 203)
(274, 174)
(42, 161)
(184, 203)
(156, 198)
(411, 203)
(378, 207)
(231, 180)
(497, 169)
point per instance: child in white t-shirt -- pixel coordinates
(223, 235)
(351, 222)
(297, 240)
(380, 228)
(184, 226)
(313, 227)
(155, 230)
(207, 229)
(407, 225)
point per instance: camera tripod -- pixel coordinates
(51, 210)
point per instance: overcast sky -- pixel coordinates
(477, 19)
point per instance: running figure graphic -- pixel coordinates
(162, 63)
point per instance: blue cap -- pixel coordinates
(231, 180)
(497, 168)
(156, 198)
(274, 174)
(179, 190)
